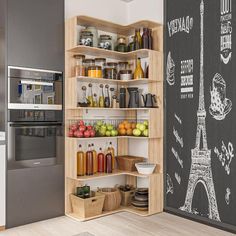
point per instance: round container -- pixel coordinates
(121, 46)
(145, 168)
(126, 75)
(122, 65)
(106, 42)
(86, 38)
(87, 63)
(101, 62)
(112, 199)
(94, 32)
(95, 71)
(110, 73)
(79, 67)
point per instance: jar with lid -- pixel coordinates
(86, 38)
(122, 65)
(111, 70)
(102, 63)
(79, 69)
(94, 32)
(95, 71)
(87, 63)
(106, 42)
(126, 75)
(121, 44)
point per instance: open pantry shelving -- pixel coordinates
(154, 116)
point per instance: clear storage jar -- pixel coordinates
(79, 69)
(101, 62)
(111, 70)
(87, 63)
(95, 71)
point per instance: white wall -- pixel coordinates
(110, 10)
(145, 10)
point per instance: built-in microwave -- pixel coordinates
(34, 89)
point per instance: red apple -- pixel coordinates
(73, 127)
(71, 133)
(89, 127)
(92, 133)
(82, 128)
(87, 134)
(78, 134)
(80, 123)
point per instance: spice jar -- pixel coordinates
(79, 67)
(95, 71)
(106, 42)
(86, 38)
(101, 62)
(121, 46)
(87, 63)
(111, 70)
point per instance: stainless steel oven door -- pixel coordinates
(34, 144)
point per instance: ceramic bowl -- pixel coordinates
(145, 168)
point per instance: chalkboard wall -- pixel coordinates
(200, 69)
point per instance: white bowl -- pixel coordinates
(145, 168)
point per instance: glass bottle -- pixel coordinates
(138, 40)
(95, 100)
(150, 39)
(108, 158)
(84, 95)
(101, 161)
(145, 38)
(95, 163)
(101, 97)
(112, 151)
(80, 162)
(138, 73)
(107, 101)
(89, 161)
(90, 95)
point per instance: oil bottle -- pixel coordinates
(101, 161)
(95, 162)
(89, 161)
(112, 151)
(80, 162)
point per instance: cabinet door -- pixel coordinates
(2, 185)
(36, 33)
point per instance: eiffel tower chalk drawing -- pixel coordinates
(200, 172)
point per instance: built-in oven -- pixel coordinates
(34, 89)
(33, 144)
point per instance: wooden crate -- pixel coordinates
(89, 207)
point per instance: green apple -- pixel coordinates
(146, 133)
(138, 125)
(102, 132)
(103, 127)
(99, 123)
(136, 132)
(110, 127)
(142, 127)
(108, 133)
(145, 123)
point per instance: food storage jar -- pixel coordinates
(87, 63)
(101, 62)
(121, 45)
(106, 42)
(126, 75)
(95, 71)
(122, 65)
(94, 32)
(79, 67)
(86, 38)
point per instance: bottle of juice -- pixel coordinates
(108, 167)
(112, 151)
(95, 162)
(80, 162)
(101, 161)
(89, 161)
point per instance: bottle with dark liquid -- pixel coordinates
(112, 151)
(89, 161)
(95, 163)
(107, 97)
(138, 40)
(150, 40)
(145, 38)
(101, 161)
(80, 162)
(108, 167)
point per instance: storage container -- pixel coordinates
(88, 207)
(95, 71)
(127, 163)
(126, 197)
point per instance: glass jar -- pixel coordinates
(79, 69)
(122, 65)
(111, 70)
(121, 46)
(86, 38)
(95, 71)
(126, 75)
(106, 42)
(94, 32)
(87, 63)
(101, 62)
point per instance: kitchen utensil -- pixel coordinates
(142, 190)
(133, 97)
(122, 99)
(107, 101)
(149, 100)
(145, 168)
(139, 203)
(141, 197)
(90, 95)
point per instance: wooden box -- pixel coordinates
(127, 163)
(88, 207)
(126, 197)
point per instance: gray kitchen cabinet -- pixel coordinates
(35, 31)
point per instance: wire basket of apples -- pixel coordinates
(81, 130)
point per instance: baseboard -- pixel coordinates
(2, 228)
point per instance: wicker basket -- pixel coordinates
(88, 207)
(127, 163)
(126, 197)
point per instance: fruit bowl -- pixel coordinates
(145, 168)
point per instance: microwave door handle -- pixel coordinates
(25, 125)
(32, 82)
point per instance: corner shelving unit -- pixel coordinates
(155, 115)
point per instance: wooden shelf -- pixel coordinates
(104, 108)
(99, 52)
(125, 30)
(111, 137)
(112, 81)
(114, 173)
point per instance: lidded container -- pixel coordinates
(106, 42)
(79, 69)
(111, 70)
(86, 38)
(122, 65)
(121, 44)
(95, 71)
(102, 63)
(94, 32)
(87, 63)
